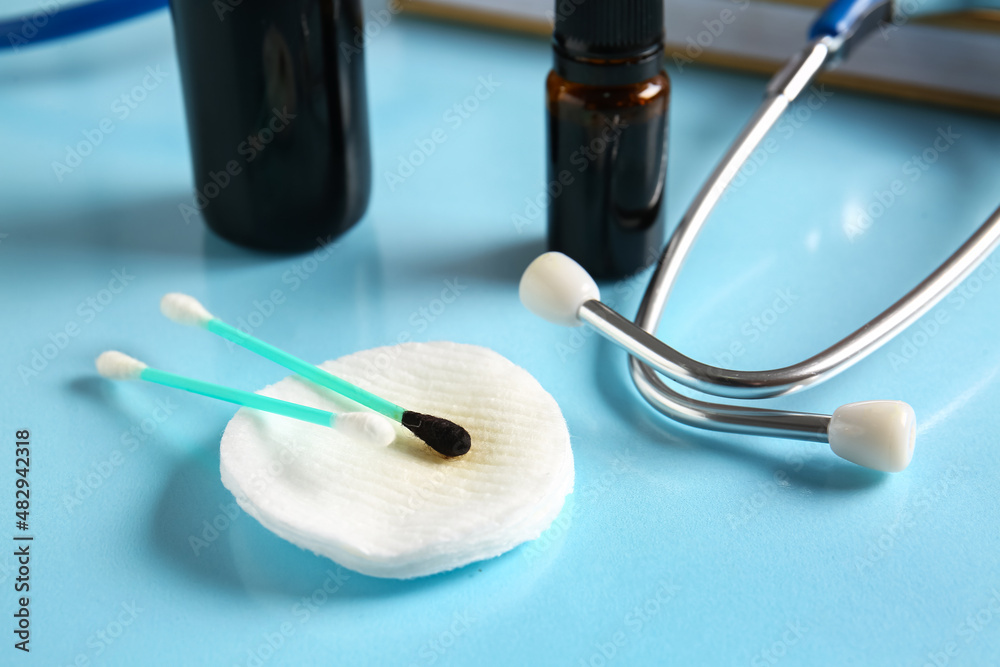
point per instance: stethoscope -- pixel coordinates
(874, 434)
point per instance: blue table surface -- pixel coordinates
(678, 546)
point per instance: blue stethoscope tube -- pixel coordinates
(46, 24)
(841, 17)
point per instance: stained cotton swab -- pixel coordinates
(364, 426)
(444, 436)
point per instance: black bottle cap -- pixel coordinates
(608, 29)
(608, 41)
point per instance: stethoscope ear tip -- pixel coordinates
(554, 287)
(875, 434)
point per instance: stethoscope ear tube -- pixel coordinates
(891, 432)
(875, 434)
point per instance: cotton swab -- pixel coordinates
(367, 427)
(445, 437)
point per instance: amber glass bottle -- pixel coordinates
(608, 99)
(277, 117)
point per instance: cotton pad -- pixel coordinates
(404, 510)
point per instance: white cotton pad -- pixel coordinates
(404, 510)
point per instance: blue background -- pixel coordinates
(678, 546)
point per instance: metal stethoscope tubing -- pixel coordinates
(655, 354)
(873, 433)
(755, 384)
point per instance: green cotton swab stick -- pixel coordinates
(306, 370)
(187, 310)
(364, 426)
(443, 436)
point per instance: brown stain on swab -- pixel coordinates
(443, 436)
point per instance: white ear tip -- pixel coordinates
(115, 365)
(184, 309)
(554, 287)
(369, 428)
(874, 434)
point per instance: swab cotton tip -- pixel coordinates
(366, 427)
(555, 286)
(116, 365)
(403, 511)
(443, 436)
(874, 434)
(184, 309)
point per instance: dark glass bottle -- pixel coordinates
(277, 117)
(608, 99)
